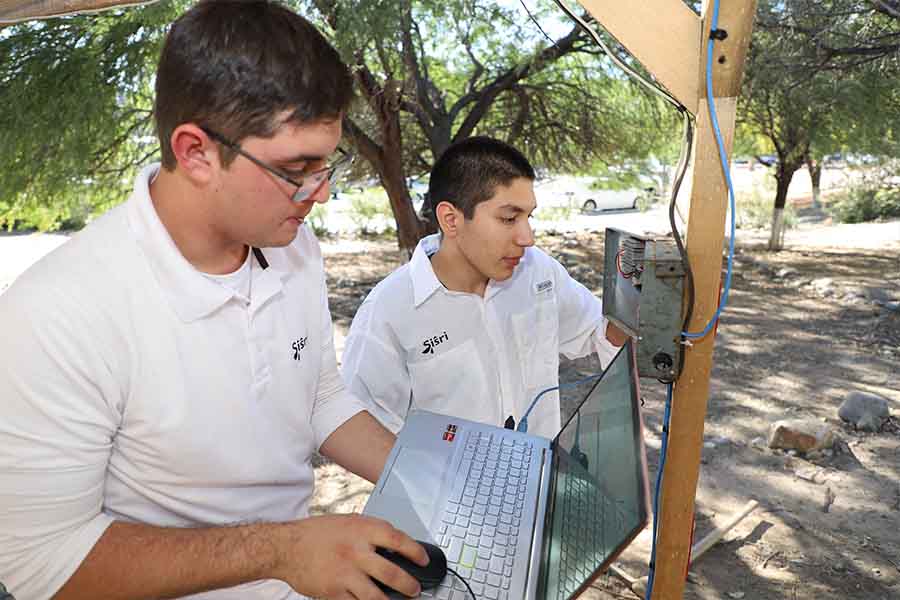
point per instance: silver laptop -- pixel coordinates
(521, 516)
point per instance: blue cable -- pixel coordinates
(724, 160)
(668, 409)
(523, 424)
(662, 463)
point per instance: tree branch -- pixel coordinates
(890, 8)
(365, 145)
(427, 110)
(482, 99)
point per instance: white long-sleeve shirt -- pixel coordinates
(413, 343)
(133, 387)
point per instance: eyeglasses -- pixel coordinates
(310, 183)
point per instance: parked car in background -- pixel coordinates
(576, 192)
(834, 161)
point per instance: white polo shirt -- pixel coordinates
(134, 387)
(415, 343)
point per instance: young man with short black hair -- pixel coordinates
(169, 371)
(474, 324)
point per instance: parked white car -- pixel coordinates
(576, 192)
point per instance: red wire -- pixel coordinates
(619, 266)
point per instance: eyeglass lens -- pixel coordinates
(313, 181)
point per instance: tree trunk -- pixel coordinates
(409, 228)
(776, 236)
(815, 175)
(783, 177)
(386, 158)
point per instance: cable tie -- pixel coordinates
(718, 34)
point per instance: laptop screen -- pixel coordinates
(598, 492)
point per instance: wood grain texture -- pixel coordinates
(12, 11)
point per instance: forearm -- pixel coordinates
(361, 445)
(132, 561)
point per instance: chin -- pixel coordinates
(280, 239)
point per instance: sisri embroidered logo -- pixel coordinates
(299, 345)
(431, 342)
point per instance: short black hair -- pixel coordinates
(469, 172)
(233, 66)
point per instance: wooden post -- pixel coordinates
(658, 38)
(663, 35)
(705, 236)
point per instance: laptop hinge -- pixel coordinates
(536, 557)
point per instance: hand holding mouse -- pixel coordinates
(429, 576)
(334, 556)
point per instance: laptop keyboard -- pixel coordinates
(582, 545)
(480, 526)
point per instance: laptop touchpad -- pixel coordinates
(416, 475)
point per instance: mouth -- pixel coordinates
(511, 261)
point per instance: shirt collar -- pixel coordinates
(425, 283)
(191, 294)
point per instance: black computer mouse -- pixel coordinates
(429, 576)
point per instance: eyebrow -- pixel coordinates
(301, 158)
(515, 208)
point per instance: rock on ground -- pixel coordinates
(864, 411)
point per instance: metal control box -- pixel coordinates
(643, 283)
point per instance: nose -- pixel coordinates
(322, 193)
(525, 235)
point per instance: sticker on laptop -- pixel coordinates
(450, 434)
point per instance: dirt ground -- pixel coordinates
(791, 344)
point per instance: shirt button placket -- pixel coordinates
(259, 365)
(496, 349)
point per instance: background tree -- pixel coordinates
(804, 97)
(76, 98)
(79, 92)
(432, 73)
(839, 35)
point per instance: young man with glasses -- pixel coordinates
(170, 370)
(474, 324)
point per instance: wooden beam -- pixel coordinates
(705, 237)
(13, 11)
(664, 35)
(729, 55)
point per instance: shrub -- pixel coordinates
(316, 221)
(42, 217)
(755, 208)
(866, 203)
(371, 212)
(554, 213)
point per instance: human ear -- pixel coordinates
(448, 218)
(196, 154)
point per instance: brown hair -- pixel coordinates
(233, 66)
(469, 172)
